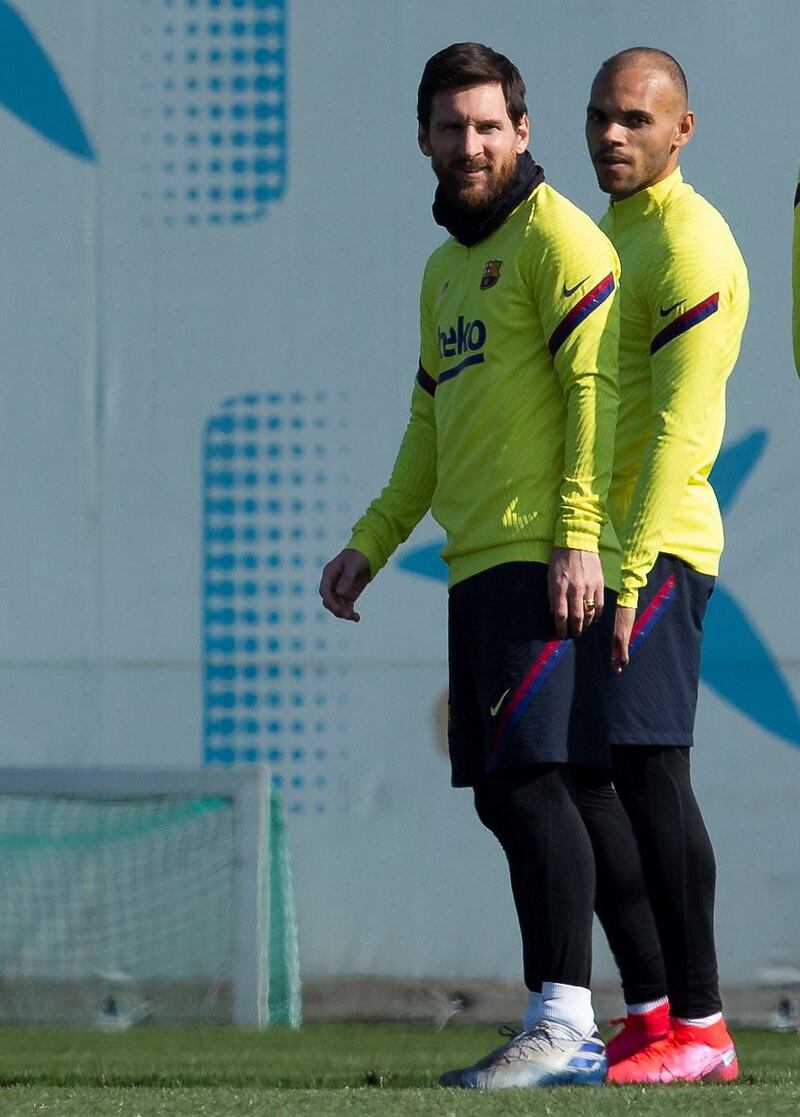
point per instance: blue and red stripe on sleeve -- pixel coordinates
(579, 312)
(426, 381)
(691, 317)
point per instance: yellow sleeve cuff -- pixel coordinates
(372, 552)
(576, 540)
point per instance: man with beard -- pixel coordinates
(683, 305)
(510, 442)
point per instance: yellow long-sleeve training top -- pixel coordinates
(510, 437)
(796, 278)
(683, 306)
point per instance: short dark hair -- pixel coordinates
(464, 64)
(658, 59)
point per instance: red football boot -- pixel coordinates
(688, 1054)
(639, 1029)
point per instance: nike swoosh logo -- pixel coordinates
(567, 291)
(664, 311)
(493, 710)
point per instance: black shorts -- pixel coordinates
(518, 694)
(653, 702)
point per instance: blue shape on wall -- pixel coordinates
(735, 464)
(426, 561)
(268, 694)
(31, 88)
(219, 72)
(737, 663)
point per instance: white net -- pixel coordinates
(117, 911)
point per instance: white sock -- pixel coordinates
(533, 1013)
(646, 1006)
(701, 1021)
(568, 1004)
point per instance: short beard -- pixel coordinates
(468, 201)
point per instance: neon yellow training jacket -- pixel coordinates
(510, 438)
(683, 306)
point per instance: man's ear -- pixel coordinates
(684, 129)
(422, 140)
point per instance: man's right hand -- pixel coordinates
(575, 590)
(343, 579)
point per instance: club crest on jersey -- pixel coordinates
(491, 274)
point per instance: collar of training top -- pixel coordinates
(471, 226)
(644, 202)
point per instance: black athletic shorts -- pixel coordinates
(654, 700)
(518, 694)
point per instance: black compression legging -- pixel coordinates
(621, 901)
(677, 860)
(534, 815)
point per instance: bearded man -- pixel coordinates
(510, 444)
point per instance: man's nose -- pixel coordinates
(471, 143)
(611, 133)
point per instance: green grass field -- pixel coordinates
(368, 1070)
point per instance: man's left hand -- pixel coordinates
(623, 625)
(575, 589)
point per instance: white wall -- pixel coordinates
(131, 315)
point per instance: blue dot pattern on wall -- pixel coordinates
(273, 479)
(214, 141)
